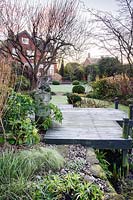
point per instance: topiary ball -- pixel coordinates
(78, 89)
(56, 83)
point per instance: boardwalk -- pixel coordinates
(93, 127)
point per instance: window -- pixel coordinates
(30, 53)
(14, 52)
(25, 40)
(51, 70)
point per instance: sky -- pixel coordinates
(104, 5)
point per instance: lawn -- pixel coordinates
(111, 105)
(59, 99)
(62, 88)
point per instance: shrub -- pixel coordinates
(53, 93)
(76, 82)
(56, 83)
(22, 83)
(55, 115)
(78, 89)
(18, 168)
(69, 186)
(93, 103)
(102, 89)
(73, 98)
(18, 126)
(125, 87)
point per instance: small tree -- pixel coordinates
(108, 66)
(74, 71)
(54, 29)
(61, 71)
(114, 33)
(91, 71)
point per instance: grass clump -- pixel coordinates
(18, 169)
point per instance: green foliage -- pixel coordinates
(22, 83)
(76, 165)
(78, 89)
(19, 168)
(19, 106)
(104, 163)
(73, 98)
(70, 186)
(108, 66)
(93, 103)
(55, 114)
(75, 82)
(102, 89)
(56, 83)
(18, 189)
(18, 126)
(91, 71)
(73, 71)
(22, 131)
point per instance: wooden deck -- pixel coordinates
(93, 127)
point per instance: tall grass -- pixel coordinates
(7, 79)
(17, 169)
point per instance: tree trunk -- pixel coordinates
(34, 82)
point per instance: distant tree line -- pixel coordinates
(106, 67)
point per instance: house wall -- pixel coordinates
(30, 48)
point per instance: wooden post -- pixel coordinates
(131, 111)
(125, 163)
(116, 102)
(125, 128)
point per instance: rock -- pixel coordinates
(81, 174)
(97, 171)
(83, 161)
(109, 188)
(91, 157)
(89, 179)
(63, 171)
(113, 196)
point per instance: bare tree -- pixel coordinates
(115, 32)
(54, 28)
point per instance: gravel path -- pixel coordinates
(77, 162)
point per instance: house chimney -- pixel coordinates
(89, 55)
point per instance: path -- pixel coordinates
(93, 127)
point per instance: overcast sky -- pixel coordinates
(106, 5)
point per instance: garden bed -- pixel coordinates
(80, 168)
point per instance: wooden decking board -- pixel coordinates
(94, 127)
(99, 144)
